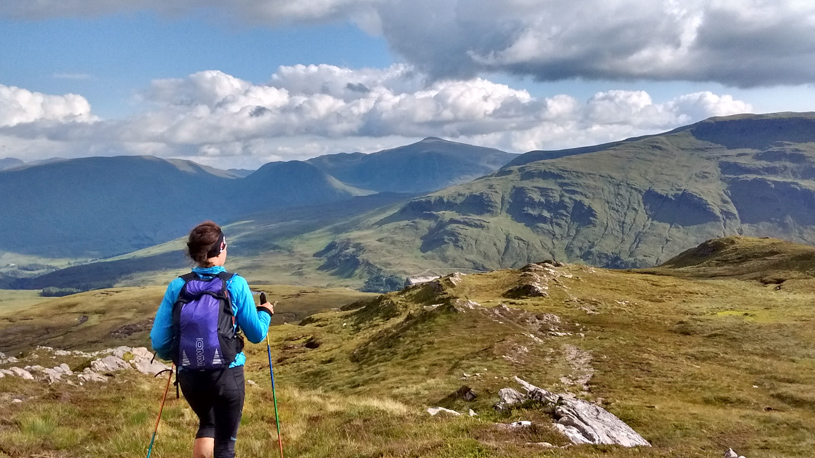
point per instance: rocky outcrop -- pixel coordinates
(418, 280)
(53, 374)
(22, 373)
(433, 411)
(100, 368)
(730, 453)
(531, 289)
(535, 280)
(581, 421)
(7, 359)
(509, 397)
(109, 363)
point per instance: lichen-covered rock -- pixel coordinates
(142, 360)
(109, 363)
(110, 360)
(583, 422)
(7, 359)
(509, 397)
(586, 423)
(90, 376)
(147, 366)
(433, 411)
(22, 373)
(55, 374)
(461, 306)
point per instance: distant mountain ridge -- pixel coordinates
(428, 165)
(104, 206)
(109, 205)
(9, 162)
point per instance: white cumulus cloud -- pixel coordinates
(303, 111)
(615, 115)
(701, 105)
(18, 106)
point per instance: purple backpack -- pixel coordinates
(204, 333)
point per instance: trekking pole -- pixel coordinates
(150, 449)
(274, 395)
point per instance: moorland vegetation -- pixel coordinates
(712, 350)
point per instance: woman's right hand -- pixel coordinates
(266, 306)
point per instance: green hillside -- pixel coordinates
(635, 203)
(769, 261)
(90, 207)
(695, 365)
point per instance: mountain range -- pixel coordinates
(631, 203)
(103, 206)
(634, 203)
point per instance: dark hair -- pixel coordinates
(202, 238)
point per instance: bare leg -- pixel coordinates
(204, 447)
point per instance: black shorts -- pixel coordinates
(217, 398)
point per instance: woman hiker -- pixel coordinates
(197, 327)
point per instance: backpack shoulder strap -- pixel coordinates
(225, 277)
(182, 293)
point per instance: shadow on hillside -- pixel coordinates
(100, 275)
(757, 133)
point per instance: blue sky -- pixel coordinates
(108, 59)
(251, 81)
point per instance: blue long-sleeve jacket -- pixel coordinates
(254, 324)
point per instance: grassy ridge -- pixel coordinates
(695, 365)
(12, 301)
(766, 260)
(123, 316)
